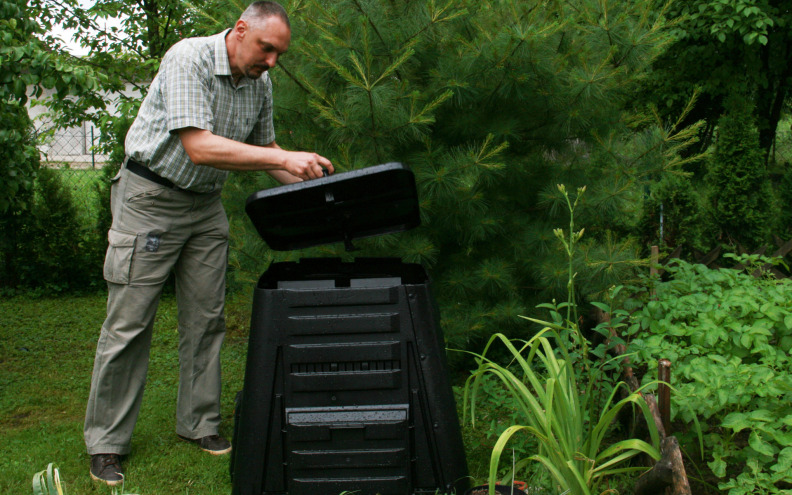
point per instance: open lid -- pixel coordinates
(337, 208)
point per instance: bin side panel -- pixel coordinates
(431, 379)
(258, 449)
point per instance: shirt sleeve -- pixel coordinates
(263, 132)
(187, 95)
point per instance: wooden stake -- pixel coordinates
(655, 260)
(671, 450)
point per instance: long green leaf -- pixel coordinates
(503, 439)
(47, 482)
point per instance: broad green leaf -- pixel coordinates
(718, 467)
(760, 445)
(736, 422)
(761, 415)
(784, 462)
(782, 438)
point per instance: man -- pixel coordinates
(208, 111)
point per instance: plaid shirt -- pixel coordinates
(193, 88)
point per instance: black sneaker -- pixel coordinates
(214, 444)
(107, 469)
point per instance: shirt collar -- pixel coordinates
(222, 66)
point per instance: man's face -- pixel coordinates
(260, 47)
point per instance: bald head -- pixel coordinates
(257, 13)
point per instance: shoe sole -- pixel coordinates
(107, 482)
(213, 452)
(217, 452)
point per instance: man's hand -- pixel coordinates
(306, 165)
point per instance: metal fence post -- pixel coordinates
(664, 393)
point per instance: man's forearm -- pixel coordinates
(281, 176)
(206, 148)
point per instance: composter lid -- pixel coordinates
(337, 208)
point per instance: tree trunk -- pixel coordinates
(668, 474)
(656, 479)
(770, 100)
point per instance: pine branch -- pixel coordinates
(371, 23)
(374, 127)
(291, 76)
(435, 19)
(419, 118)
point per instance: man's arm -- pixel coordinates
(281, 176)
(206, 148)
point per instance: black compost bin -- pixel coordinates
(346, 386)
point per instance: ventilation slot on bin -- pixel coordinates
(351, 366)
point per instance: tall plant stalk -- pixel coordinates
(569, 241)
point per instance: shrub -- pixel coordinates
(684, 221)
(729, 335)
(49, 248)
(740, 193)
(19, 161)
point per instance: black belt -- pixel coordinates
(138, 168)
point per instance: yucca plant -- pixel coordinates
(47, 482)
(554, 390)
(554, 409)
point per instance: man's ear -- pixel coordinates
(240, 28)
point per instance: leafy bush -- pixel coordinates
(42, 244)
(19, 161)
(50, 249)
(19, 158)
(729, 336)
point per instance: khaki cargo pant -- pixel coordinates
(157, 230)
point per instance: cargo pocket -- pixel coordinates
(118, 262)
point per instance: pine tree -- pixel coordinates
(491, 103)
(740, 193)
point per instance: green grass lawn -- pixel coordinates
(46, 357)
(47, 348)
